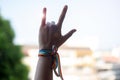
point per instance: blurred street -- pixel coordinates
(79, 64)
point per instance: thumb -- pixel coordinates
(65, 37)
(68, 35)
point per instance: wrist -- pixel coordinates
(45, 47)
(47, 51)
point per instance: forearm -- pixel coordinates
(44, 68)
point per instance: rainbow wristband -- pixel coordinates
(55, 58)
(48, 52)
(45, 52)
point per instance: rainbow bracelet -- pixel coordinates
(55, 57)
(45, 52)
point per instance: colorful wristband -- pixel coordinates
(45, 52)
(55, 58)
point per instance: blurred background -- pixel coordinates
(92, 53)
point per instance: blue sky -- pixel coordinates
(97, 21)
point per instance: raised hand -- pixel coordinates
(50, 33)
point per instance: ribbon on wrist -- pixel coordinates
(55, 58)
(45, 52)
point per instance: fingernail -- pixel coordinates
(74, 30)
(44, 10)
(66, 6)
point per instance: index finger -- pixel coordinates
(62, 16)
(43, 22)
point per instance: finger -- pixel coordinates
(43, 17)
(68, 35)
(65, 37)
(62, 16)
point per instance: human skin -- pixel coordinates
(49, 35)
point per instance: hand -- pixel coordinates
(50, 33)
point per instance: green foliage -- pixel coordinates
(11, 67)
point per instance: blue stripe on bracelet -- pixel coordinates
(45, 51)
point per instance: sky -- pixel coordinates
(97, 21)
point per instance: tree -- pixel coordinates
(11, 66)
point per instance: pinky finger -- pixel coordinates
(43, 17)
